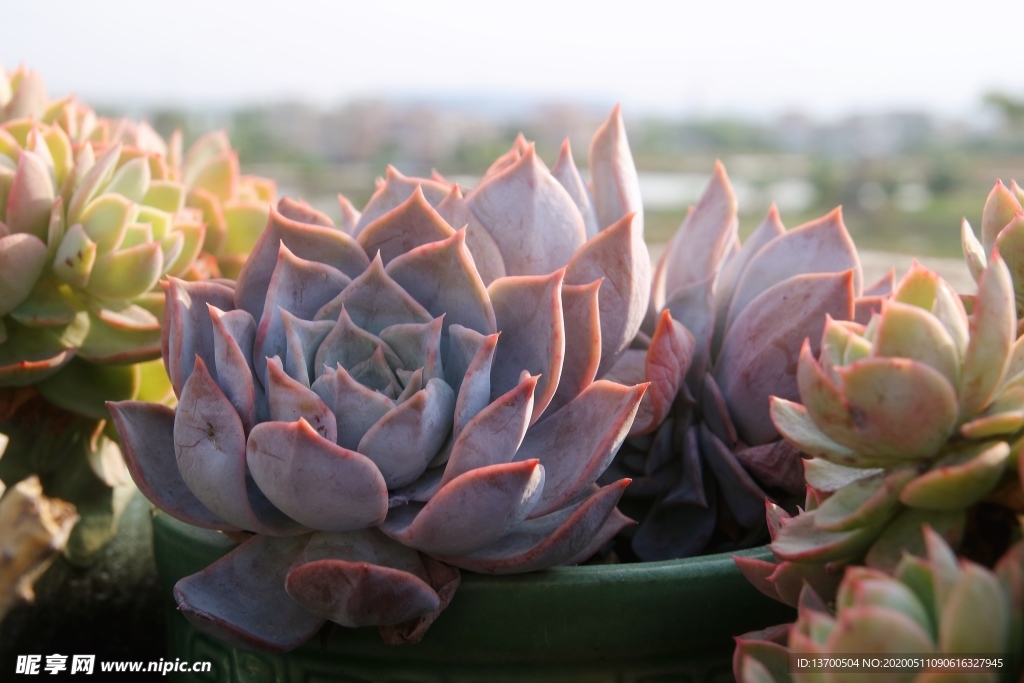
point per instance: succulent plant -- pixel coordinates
(234, 207)
(931, 606)
(85, 239)
(376, 415)
(909, 420)
(22, 94)
(706, 450)
(523, 219)
(93, 213)
(1002, 228)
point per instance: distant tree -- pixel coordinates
(166, 121)
(1010, 108)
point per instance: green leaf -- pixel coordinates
(83, 388)
(109, 344)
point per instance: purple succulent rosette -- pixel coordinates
(706, 454)
(376, 413)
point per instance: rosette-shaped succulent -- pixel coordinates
(85, 235)
(909, 420)
(88, 226)
(84, 239)
(705, 450)
(234, 207)
(524, 219)
(930, 607)
(373, 418)
(1002, 228)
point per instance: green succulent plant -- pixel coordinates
(1002, 228)
(94, 214)
(932, 606)
(910, 419)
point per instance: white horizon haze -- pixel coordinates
(672, 58)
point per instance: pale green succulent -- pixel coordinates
(936, 607)
(1002, 228)
(94, 213)
(234, 207)
(912, 418)
(85, 236)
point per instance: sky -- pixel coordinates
(713, 57)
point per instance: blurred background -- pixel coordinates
(902, 112)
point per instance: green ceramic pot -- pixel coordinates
(637, 623)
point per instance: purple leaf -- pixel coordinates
(663, 366)
(187, 331)
(411, 224)
(441, 276)
(209, 443)
(470, 512)
(529, 313)
(301, 212)
(546, 541)
(473, 383)
(396, 189)
(741, 493)
(374, 301)
(619, 256)
(613, 175)
(147, 441)
(576, 444)
(759, 355)
(305, 241)
(348, 345)
(356, 407)
(233, 597)
(405, 440)
(300, 287)
(302, 341)
(494, 434)
(701, 243)
(582, 319)
(568, 176)
(361, 579)
(531, 217)
(290, 400)
(821, 246)
(417, 345)
(314, 481)
(233, 336)
(486, 255)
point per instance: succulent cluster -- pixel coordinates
(443, 381)
(929, 606)
(912, 422)
(94, 213)
(376, 411)
(705, 456)
(1002, 229)
(233, 207)
(908, 419)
